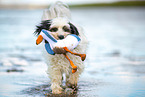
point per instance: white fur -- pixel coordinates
(59, 9)
(58, 64)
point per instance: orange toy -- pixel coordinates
(65, 44)
(74, 67)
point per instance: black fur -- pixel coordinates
(44, 25)
(74, 30)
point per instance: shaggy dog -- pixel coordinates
(56, 19)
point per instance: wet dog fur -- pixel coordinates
(56, 19)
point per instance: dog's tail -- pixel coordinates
(58, 9)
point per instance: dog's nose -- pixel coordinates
(60, 36)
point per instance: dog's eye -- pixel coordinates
(53, 29)
(66, 29)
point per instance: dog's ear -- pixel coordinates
(43, 25)
(74, 30)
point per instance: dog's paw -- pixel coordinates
(69, 91)
(57, 91)
(73, 86)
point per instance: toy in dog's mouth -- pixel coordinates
(83, 57)
(68, 44)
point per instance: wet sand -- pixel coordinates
(115, 64)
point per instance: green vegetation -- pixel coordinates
(121, 3)
(112, 4)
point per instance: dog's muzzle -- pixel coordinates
(60, 36)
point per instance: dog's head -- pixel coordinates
(58, 27)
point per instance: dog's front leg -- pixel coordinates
(72, 80)
(56, 81)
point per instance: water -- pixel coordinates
(115, 58)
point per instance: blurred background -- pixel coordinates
(115, 65)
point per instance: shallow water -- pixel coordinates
(115, 64)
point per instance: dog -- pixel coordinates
(57, 20)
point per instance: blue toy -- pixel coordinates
(68, 44)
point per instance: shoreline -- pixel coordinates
(112, 4)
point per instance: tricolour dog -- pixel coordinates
(56, 19)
